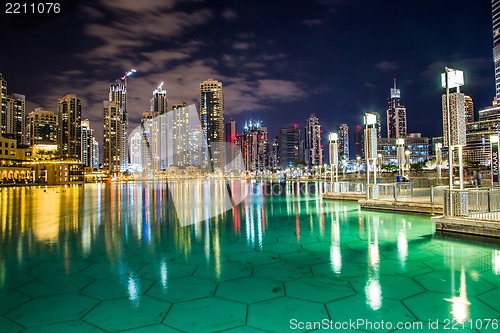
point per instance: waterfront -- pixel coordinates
(114, 257)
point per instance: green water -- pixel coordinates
(138, 257)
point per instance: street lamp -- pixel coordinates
(358, 158)
(407, 162)
(494, 159)
(334, 156)
(370, 120)
(439, 157)
(400, 142)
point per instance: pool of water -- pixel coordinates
(239, 257)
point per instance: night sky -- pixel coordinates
(279, 61)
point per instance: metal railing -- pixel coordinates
(476, 203)
(349, 187)
(406, 191)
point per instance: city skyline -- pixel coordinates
(254, 62)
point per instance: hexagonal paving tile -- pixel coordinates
(346, 269)
(7, 326)
(277, 315)
(60, 267)
(394, 287)
(183, 289)
(121, 314)
(250, 290)
(171, 270)
(432, 306)
(441, 281)
(408, 268)
(54, 285)
(281, 271)
(224, 272)
(15, 280)
(277, 248)
(491, 298)
(77, 326)
(318, 288)
(244, 329)
(11, 299)
(105, 289)
(372, 310)
(254, 258)
(53, 309)
(303, 238)
(208, 314)
(103, 270)
(153, 329)
(305, 257)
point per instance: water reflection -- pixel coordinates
(124, 226)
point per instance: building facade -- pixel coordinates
(255, 147)
(112, 144)
(41, 127)
(212, 124)
(180, 135)
(70, 126)
(313, 142)
(289, 147)
(3, 105)
(359, 142)
(16, 115)
(495, 13)
(414, 143)
(118, 95)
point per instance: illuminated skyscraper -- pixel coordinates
(231, 140)
(149, 148)
(162, 137)
(41, 127)
(180, 134)
(70, 126)
(495, 9)
(469, 109)
(212, 124)
(396, 115)
(118, 94)
(343, 142)
(112, 137)
(313, 143)
(255, 146)
(3, 105)
(95, 154)
(16, 111)
(88, 141)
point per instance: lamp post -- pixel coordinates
(400, 142)
(439, 157)
(407, 162)
(379, 162)
(334, 157)
(358, 159)
(494, 159)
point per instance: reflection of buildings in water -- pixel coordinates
(335, 252)
(460, 304)
(255, 218)
(496, 262)
(402, 245)
(373, 289)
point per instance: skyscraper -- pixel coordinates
(359, 146)
(112, 137)
(95, 153)
(469, 109)
(289, 146)
(41, 127)
(212, 124)
(180, 134)
(88, 140)
(16, 114)
(3, 105)
(396, 115)
(230, 140)
(162, 137)
(495, 9)
(70, 126)
(313, 143)
(343, 142)
(118, 94)
(255, 144)
(149, 149)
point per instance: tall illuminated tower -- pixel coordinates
(70, 126)
(212, 124)
(343, 142)
(118, 94)
(396, 115)
(469, 109)
(3, 105)
(313, 144)
(16, 115)
(112, 137)
(88, 141)
(180, 135)
(495, 11)
(41, 127)
(161, 138)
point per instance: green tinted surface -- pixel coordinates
(115, 258)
